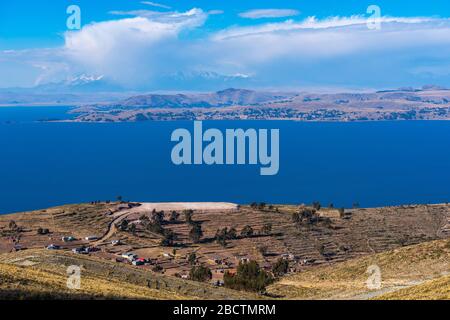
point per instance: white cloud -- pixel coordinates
(154, 4)
(314, 23)
(129, 50)
(269, 13)
(215, 12)
(151, 46)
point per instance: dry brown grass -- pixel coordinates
(400, 268)
(35, 274)
(438, 289)
(31, 283)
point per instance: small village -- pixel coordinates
(174, 259)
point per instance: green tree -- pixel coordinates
(316, 205)
(249, 277)
(174, 216)
(247, 231)
(296, 217)
(280, 267)
(196, 233)
(232, 234)
(123, 226)
(221, 237)
(200, 273)
(168, 238)
(192, 258)
(132, 228)
(158, 217)
(12, 225)
(188, 215)
(266, 229)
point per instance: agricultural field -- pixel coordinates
(326, 251)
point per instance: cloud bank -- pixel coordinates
(174, 50)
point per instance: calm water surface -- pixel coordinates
(44, 164)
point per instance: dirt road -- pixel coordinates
(161, 206)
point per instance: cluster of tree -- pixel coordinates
(247, 231)
(225, 234)
(200, 273)
(157, 217)
(153, 225)
(262, 206)
(222, 235)
(99, 201)
(169, 238)
(13, 226)
(174, 216)
(249, 277)
(305, 215)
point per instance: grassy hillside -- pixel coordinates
(400, 268)
(438, 289)
(43, 274)
(328, 256)
(28, 283)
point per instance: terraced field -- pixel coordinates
(43, 274)
(402, 268)
(327, 259)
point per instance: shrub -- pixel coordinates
(157, 268)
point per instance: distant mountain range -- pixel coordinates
(427, 103)
(101, 92)
(228, 97)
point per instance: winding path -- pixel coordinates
(159, 206)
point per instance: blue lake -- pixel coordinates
(45, 164)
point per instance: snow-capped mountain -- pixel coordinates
(83, 83)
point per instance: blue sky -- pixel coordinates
(211, 44)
